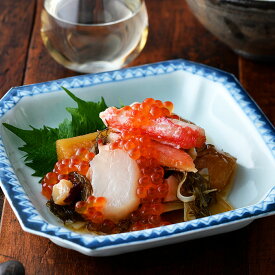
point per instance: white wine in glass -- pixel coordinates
(94, 35)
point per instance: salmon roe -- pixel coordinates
(152, 189)
(140, 114)
(79, 162)
(136, 145)
(91, 209)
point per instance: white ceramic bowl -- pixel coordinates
(211, 98)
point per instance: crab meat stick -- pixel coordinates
(176, 133)
(156, 121)
(171, 157)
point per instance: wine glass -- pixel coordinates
(94, 35)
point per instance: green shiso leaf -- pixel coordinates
(39, 144)
(85, 118)
(39, 147)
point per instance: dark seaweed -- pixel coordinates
(64, 212)
(196, 185)
(81, 189)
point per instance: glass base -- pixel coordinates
(95, 67)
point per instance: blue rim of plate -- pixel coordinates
(31, 220)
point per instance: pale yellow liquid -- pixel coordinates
(117, 36)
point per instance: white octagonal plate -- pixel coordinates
(213, 99)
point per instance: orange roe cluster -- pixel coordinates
(79, 162)
(151, 184)
(152, 189)
(148, 216)
(91, 209)
(136, 145)
(148, 110)
(140, 114)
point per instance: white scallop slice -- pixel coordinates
(115, 176)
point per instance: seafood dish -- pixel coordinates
(147, 167)
(148, 163)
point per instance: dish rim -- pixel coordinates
(249, 4)
(31, 221)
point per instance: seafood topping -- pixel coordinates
(176, 133)
(220, 165)
(115, 177)
(149, 162)
(141, 146)
(153, 119)
(173, 183)
(61, 191)
(171, 157)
